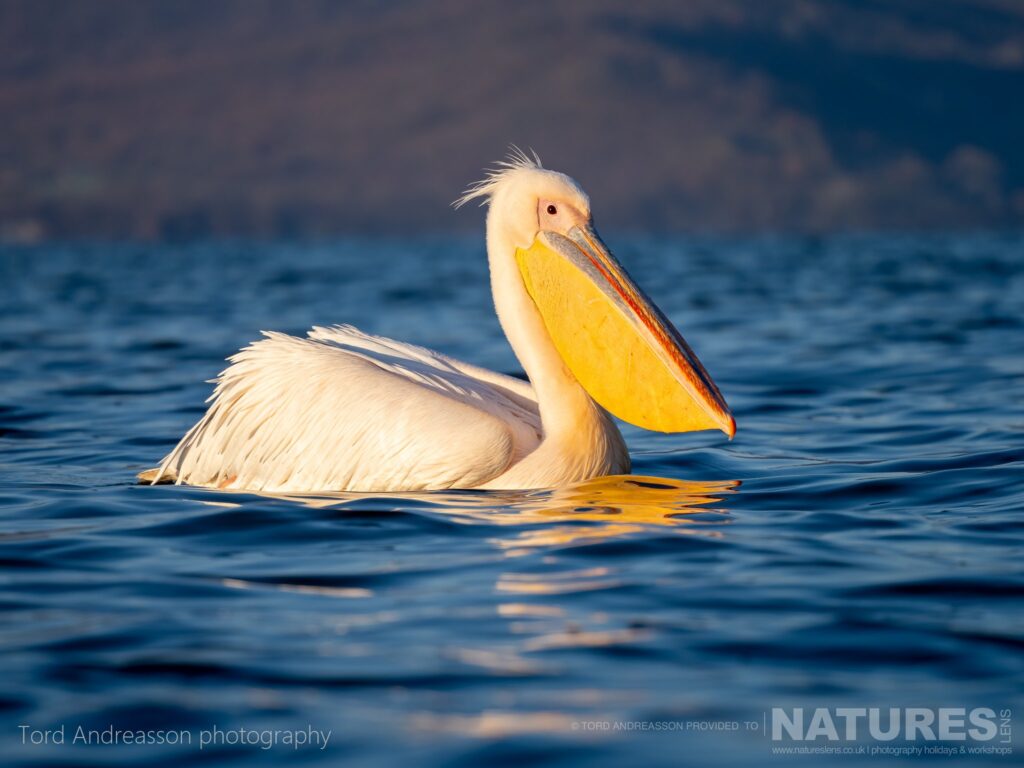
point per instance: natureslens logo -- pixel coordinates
(914, 724)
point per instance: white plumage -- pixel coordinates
(341, 410)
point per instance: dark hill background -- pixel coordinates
(140, 118)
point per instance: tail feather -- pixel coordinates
(153, 477)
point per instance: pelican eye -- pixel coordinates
(552, 210)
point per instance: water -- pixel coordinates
(859, 543)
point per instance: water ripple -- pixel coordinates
(859, 542)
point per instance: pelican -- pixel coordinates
(342, 410)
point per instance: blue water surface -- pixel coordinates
(859, 543)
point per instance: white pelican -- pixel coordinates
(343, 410)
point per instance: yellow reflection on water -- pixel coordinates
(542, 598)
(529, 610)
(616, 506)
(588, 512)
(554, 584)
(493, 724)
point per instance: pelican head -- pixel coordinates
(527, 200)
(612, 338)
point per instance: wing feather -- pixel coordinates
(343, 410)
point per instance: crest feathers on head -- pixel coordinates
(515, 160)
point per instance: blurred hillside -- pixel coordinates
(145, 118)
